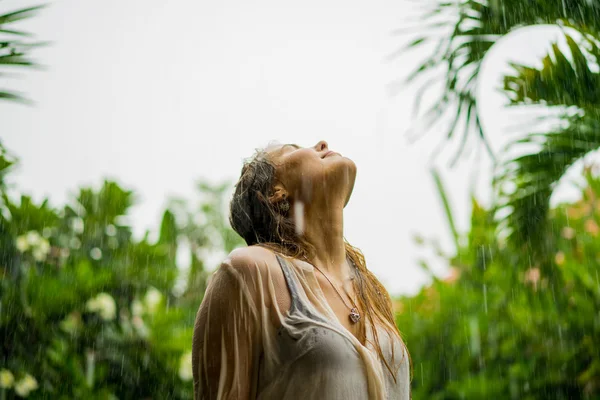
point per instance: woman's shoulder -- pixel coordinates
(251, 258)
(253, 264)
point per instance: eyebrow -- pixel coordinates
(293, 145)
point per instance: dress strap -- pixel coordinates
(291, 283)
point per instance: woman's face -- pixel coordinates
(314, 173)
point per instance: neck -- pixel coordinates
(324, 230)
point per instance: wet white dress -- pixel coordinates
(310, 356)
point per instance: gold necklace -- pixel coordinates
(354, 315)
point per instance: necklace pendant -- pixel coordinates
(354, 315)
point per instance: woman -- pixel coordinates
(296, 314)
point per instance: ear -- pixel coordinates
(279, 194)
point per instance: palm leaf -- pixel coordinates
(474, 27)
(19, 15)
(15, 59)
(560, 82)
(15, 53)
(12, 96)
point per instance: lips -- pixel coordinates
(328, 153)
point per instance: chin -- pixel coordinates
(339, 178)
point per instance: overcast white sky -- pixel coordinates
(159, 94)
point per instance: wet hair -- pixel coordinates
(261, 222)
(252, 215)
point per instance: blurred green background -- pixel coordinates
(87, 311)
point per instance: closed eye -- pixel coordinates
(295, 146)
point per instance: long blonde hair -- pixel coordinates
(260, 222)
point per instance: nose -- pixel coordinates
(322, 145)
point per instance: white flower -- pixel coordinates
(22, 243)
(104, 304)
(96, 253)
(38, 255)
(185, 367)
(77, 225)
(33, 238)
(137, 308)
(152, 299)
(44, 246)
(41, 250)
(64, 252)
(6, 379)
(110, 230)
(26, 385)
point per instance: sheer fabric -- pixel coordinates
(266, 331)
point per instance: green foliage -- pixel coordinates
(566, 82)
(463, 32)
(535, 175)
(86, 310)
(15, 46)
(504, 326)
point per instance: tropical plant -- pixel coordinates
(493, 331)
(464, 31)
(15, 46)
(87, 310)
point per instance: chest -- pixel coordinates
(315, 344)
(340, 306)
(341, 302)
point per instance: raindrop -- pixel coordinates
(90, 367)
(483, 258)
(514, 389)
(485, 298)
(560, 338)
(299, 217)
(475, 342)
